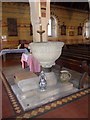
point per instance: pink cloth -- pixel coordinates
(31, 61)
(24, 58)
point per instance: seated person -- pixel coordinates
(22, 46)
(27, 47)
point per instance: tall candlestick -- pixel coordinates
(40, 32)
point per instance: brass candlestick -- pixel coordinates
(40, 32)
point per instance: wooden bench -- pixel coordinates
(73, 56)
(79, 57)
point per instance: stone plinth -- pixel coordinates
(34, 98)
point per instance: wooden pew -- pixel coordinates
(73, 56)
(79, 52)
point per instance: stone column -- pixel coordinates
(37, 18)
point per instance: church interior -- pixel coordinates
(44, 59)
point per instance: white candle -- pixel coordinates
(39, 10)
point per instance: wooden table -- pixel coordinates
(7, 51)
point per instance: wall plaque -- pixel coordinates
(12, 26)
(80, 29)
(63, 29)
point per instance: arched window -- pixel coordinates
(52, 27)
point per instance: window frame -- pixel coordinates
(53, 24)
